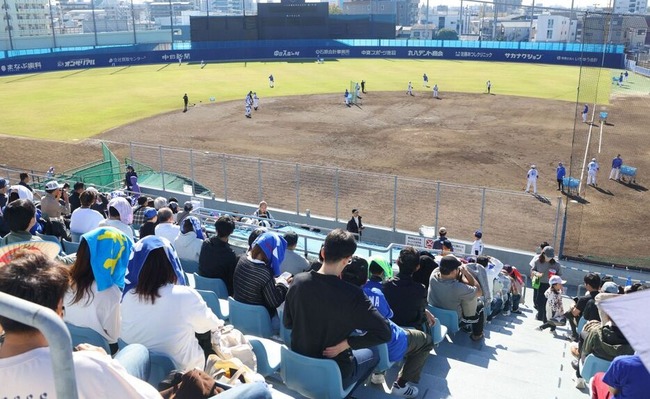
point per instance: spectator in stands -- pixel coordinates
(3, 193)
(217, 258)
(501, 300)
(159, 202)
(190, 239)
(159, 311)
(626, 377)
(120, 216)
(585, 305)
(187, 208)
(477, 245)
(166, 227)
(293, 262)
(24, 181)
(355, 226)
(23, 193)
(173, 205)
(411, 345)
(262, 213)
(101, 204)
(25, 361)
(50, 203)
(516, 287)
(544, 266)
(453, 287)
(603, 340)
(554, 307)
(135, 191)
(85, 219)
(138, 212)
(20, 217)
(427, 264)
(130, 172)
(407, 297)
(149, 226)
(93, 300)
(442, 237)
(323, 312)
(254, 282)
(74, 199)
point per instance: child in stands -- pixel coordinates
(554, 307)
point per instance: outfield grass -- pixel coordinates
(78, 104)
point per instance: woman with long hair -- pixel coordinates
(159, 311)
(97, 278)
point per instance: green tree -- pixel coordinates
(335, 9)
(447, 34)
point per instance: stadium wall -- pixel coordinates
(543, 53)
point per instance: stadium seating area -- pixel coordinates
(513, 357)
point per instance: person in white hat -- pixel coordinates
(554, 306)
(532, 179)
(592, 171)
(50, 204)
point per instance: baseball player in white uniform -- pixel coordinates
(409, 90)
(249, 104)
(532, 179)
(256, 101)
(592, 171)
(435, 91)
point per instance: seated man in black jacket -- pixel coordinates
(217, 258)
(407, 297)
(324, 311)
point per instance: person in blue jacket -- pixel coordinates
(615, 174)
(560, 173)
(409, 344)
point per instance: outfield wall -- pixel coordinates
(539, 53)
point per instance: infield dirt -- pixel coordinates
(475, 139)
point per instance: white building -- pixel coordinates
(630, 6)
(25, 18)
(554, 28)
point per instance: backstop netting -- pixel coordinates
(605, 221)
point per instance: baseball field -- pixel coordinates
(465, 137)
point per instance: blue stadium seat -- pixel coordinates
(190, 266)
(268, 353)
(69, 247)
(581, 324)
(216, 285)
(285, 333)
(312, 378)
(218, 306)
(448, 318)
(592, 365)
(85, 335)
(250, 319)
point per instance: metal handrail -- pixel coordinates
(52, 327)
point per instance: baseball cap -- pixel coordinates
(53, 185)
(150, 213)
(188, 206)
(478, 234)
(610, 287)
(533, 166)
(556, 280)
(3, 183)
(548, 252)
(442, 230)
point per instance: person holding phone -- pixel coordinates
(254, 280)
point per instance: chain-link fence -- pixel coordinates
(507, 218)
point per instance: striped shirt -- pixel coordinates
(254, 284)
